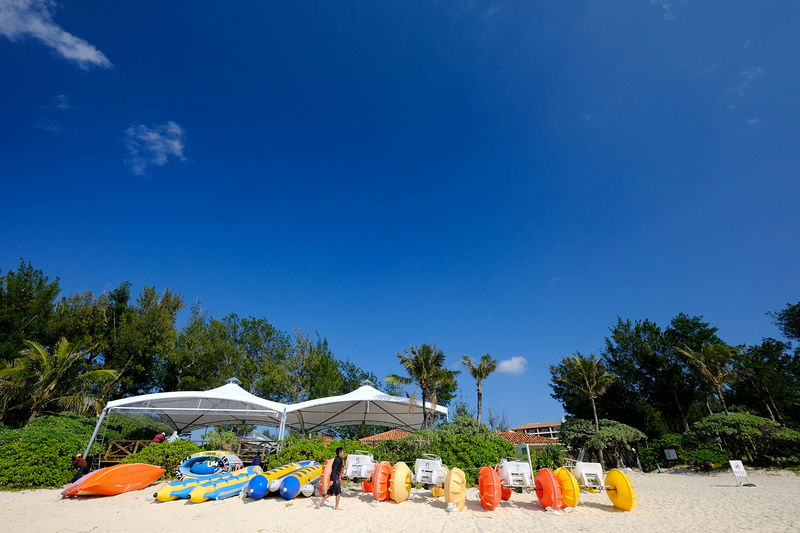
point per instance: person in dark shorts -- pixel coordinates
(81, 465)
(336, 479)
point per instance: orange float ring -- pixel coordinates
(380, 481)
(548, 489)
(489, 487)
(366, 485)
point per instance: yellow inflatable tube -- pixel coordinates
(400, 482)
(570, 491)
(620, 490)
(455, 488)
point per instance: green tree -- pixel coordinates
(480, 372)
(714, 362)
(769, 379)
(587, 376)
(425, 366)
(39, 381)
(788, 321)
(83, 317)
(197, 360)
(263, 357)
(139, 338)
(26, 304)
(747, 434)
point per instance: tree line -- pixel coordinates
(79, 351)
(650, 382)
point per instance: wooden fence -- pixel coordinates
(119, 449)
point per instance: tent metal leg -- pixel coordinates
(94, 435)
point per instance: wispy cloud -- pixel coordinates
(54, 127)
(515, 365)
(667, 6)
(58, 102)
(153, 145)
(748, 76)
(34, 18)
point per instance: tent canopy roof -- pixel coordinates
(365, 405)
(186, 410)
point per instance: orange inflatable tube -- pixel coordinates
(380, 481)
(366, 485)
(489, 488)
(325, 479)
(548, 489)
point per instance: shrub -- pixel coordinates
(27, 465)
(552, 457)
(222, 440)
(705, 454)
(652, 455)
(167, 455)
(301, 450)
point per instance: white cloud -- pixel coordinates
(515, 365)
(34, 18)
(667, 6)
(153, 145)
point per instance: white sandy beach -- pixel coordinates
(673, 501)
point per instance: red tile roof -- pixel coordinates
(515, 437)
(327, 438)
(392, 434)
(533, 426)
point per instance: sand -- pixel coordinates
(678, 500)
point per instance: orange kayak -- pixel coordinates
(114, 480)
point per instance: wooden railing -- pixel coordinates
(119, 449)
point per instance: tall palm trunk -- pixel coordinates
(480, 403)
(722, 400)
(597, 428)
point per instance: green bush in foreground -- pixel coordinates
(25, 465)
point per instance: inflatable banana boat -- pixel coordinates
(294, 483)
(259, 485)
(225, 487)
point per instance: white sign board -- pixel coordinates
(671, 454)
(738, 468)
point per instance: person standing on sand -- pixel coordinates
(336, 478)
(81, 465)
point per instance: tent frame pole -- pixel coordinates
(94, 435)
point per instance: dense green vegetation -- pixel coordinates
(683, 387)
(79, 351)
(650, 387)
(40, 454)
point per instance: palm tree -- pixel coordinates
(586, 376)
(425, 366)
(40, 380)
(480, 372)
(715, 364)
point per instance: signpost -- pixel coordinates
(738, 471)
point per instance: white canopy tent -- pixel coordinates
(365, 405)
(230, 404)
(188, 410)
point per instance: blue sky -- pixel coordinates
(502, 177)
